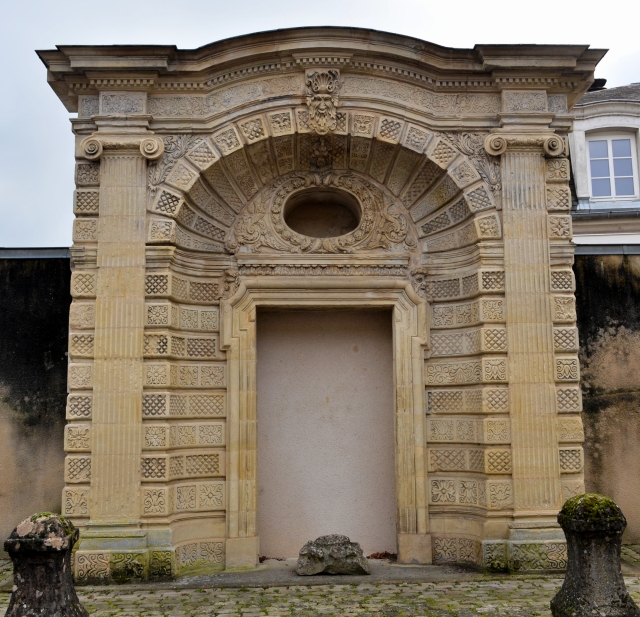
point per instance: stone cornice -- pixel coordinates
(77, 69)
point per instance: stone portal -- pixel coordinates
(197, 175)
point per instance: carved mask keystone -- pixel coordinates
(322, 98)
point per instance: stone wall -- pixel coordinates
(608, 307)
(34, 321)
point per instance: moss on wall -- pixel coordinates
(608, 306)
(34, 318)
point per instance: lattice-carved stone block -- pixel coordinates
(558, 198)
(86, 202)
(497, 461)
(253, 129)
(81, 345)
(441, 153)
(154, 468)
(155, 405)
(77, 469)
(390, 129)
(571, 460)
(79, 407)
(565, 339)
(568, 400)
(83, 284)
(562, 280)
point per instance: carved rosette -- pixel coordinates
(261, 227)
(323, 88)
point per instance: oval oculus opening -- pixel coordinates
(322, 213)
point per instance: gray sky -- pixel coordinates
(36, 157)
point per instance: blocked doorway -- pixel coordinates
(325, 431)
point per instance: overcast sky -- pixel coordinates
(36, 153)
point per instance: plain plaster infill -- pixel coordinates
(325, 429)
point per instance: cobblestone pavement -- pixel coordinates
(504, 597)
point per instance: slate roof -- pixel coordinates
(622, 93)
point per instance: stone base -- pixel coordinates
(524, 556)
(414, 548)
(242, 553)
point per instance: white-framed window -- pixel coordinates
(613, 168)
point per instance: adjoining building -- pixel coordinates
(604, 158)
(296, 248)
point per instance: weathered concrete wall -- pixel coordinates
(34, 317)
(325, 429)
(608, 306)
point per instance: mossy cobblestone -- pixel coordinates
(490, 597)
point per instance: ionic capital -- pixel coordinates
(149, 146)
(549, 143)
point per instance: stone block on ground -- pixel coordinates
(333, 554)
(593, 585)
(40, 549)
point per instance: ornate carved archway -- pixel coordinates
(185, 160)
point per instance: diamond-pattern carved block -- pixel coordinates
(561, 280)
(167, 203)
(441, 153)
(497, 461)
(571, 460)
(83, 284)
(154, 467)
(568, 400)
(389, 129)
(81, 345)
(86, 202)
(253, 129)
(565, 339)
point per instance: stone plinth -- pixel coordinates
(593, 586)
(40, 549)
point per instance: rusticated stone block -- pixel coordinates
(40, 549)
(593, 585)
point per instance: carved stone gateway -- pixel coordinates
(454, 167)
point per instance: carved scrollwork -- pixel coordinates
(497, 144)
(94, 147)
(322, 98)
(261, 227)
(486, 164)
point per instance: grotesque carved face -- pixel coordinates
(322, 112)
(322, 99)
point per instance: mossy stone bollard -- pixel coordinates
(40, 549)
(593, 585)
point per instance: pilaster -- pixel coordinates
(535, 540)
(112, 537)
